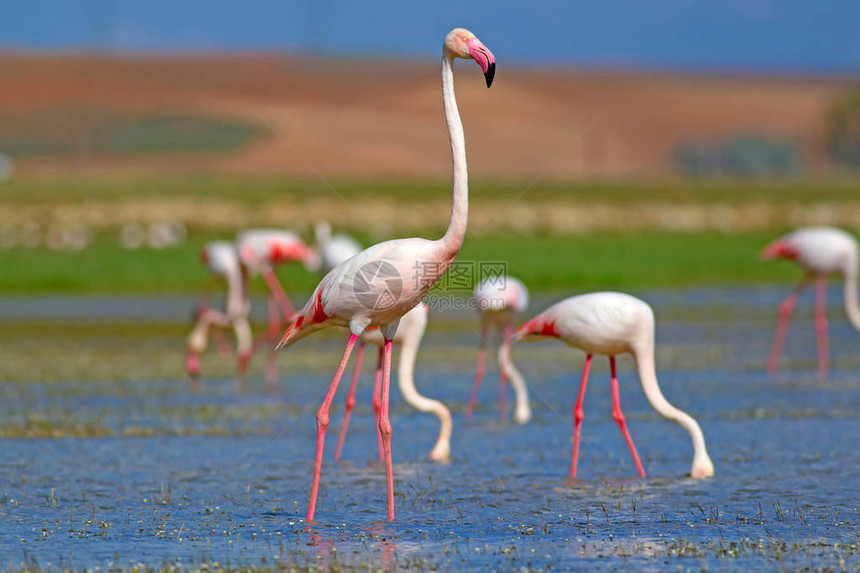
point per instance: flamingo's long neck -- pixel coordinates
(522, 410)
(235, 292)
(852, 308)
(453, 239)
(406, 382)
(648, 376)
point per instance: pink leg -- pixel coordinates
(578, 415)
(479, 373)
(385, 428)
(350, 401)
(618, 416)
(271, 357)
(377, 399)
(821, 327)
(503, 380)
(782, 325)
(279, 294)
(322, 424)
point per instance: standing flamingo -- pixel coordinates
(499, 300)
(612, 323)
(368, 289)
(222, 261)
(333, 249)
(408, 336)
(259, 251)
(820, 251)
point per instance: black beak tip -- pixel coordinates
(490, 74)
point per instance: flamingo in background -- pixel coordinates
(613, 323)
(333, 249)
(222, 261)
(409, 335)
(259, 251)
(369, 289)
(498, 300)
(820, 251)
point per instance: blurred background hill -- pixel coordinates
(738, 87)
(96, 114)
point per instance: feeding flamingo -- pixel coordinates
(222, 261)
(499, 300)
(408, 336)
(820, 251)
(613, 323)
(333, 249)
(259, 251)
(369, 289)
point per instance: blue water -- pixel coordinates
(784, 494)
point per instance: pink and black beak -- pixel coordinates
(485, 58)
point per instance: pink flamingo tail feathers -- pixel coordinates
(538, 326)
(308, 320)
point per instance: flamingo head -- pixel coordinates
(461, 43)
(779, 249)
(702, 466)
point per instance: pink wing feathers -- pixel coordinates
(307, 320)
(541, 325)
(289, 249)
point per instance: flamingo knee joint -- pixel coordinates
(385, 428)
(322, 419)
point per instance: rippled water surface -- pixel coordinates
(120, 468)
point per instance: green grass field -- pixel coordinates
(544, 263)
(37, 190)
(68, 131)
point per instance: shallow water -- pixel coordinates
(155, 474)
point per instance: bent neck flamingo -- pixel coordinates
(379, 285)
(820, 251)
(612, 323)
(222, 261)
(260, 250)
(408, 336)
(499, 300)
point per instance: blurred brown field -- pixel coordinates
(72, 114)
